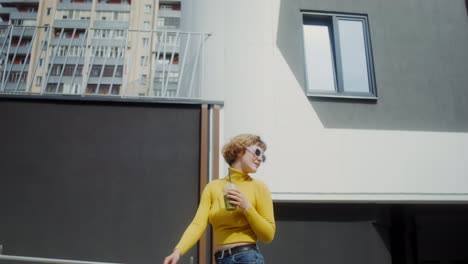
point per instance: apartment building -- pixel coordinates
(17, 43)
(115, 47)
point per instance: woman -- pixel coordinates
(235, 231)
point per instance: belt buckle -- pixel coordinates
(225, 253)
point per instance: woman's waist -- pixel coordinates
(221, 247)
(225, 240)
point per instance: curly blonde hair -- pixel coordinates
(237, 146)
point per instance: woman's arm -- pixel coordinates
(194, 231)
(261, 218)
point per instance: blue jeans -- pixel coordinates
(252, 256)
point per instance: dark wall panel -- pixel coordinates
(114, 182)
(333, 234)
(369, 233)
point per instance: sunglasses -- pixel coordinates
(257, 152)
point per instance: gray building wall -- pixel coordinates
(420, 60)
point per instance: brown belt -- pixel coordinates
(230, 251)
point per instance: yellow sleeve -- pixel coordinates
(261, 218)
(198, 225)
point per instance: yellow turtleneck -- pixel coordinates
(232, 226)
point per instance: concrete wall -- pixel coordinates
(409, 145)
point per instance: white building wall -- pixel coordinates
(307, 160)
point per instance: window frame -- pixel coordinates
(147, 8)
(334, 31)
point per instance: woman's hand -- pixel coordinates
(236, 197)
(173, 258)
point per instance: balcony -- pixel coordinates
(10, 87)
(66, 59)
(14, 68)
(69, 41)
(169, 13)
(65, 79)
(23, 50)
(105, 80)
(110, 24)
(23, 31)
(168, 47)
(168, 28)
(108, 42)
(75, 6)
(169, 1)
(69, 23)
(107, 61)
(7, 10)
(113, 7)
(167, 67)
(23, 15)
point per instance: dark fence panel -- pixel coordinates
(97, 181)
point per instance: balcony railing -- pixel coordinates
(23, 259)
(169, 13)
(71, 23)
(141, 63)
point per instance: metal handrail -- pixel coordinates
(187, 72)
(50, 260)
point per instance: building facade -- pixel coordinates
(98, 47)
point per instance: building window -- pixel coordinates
(172, 22)
(52, 88)
(91, 88)
(119, 34)
(146, 25)
(119, 71)
(338, 57)
(75, 88)
(145, 42)
(38, 80)
(79, 70)
(115, 90)
(48, 11)
(160, 21)
(96, 70)
(104, 89)
(56, 70)
(70, 70)
(108, 71)
(17, 22)
(147, 8)
(143, 60)
(167, 6)
(143, 79)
